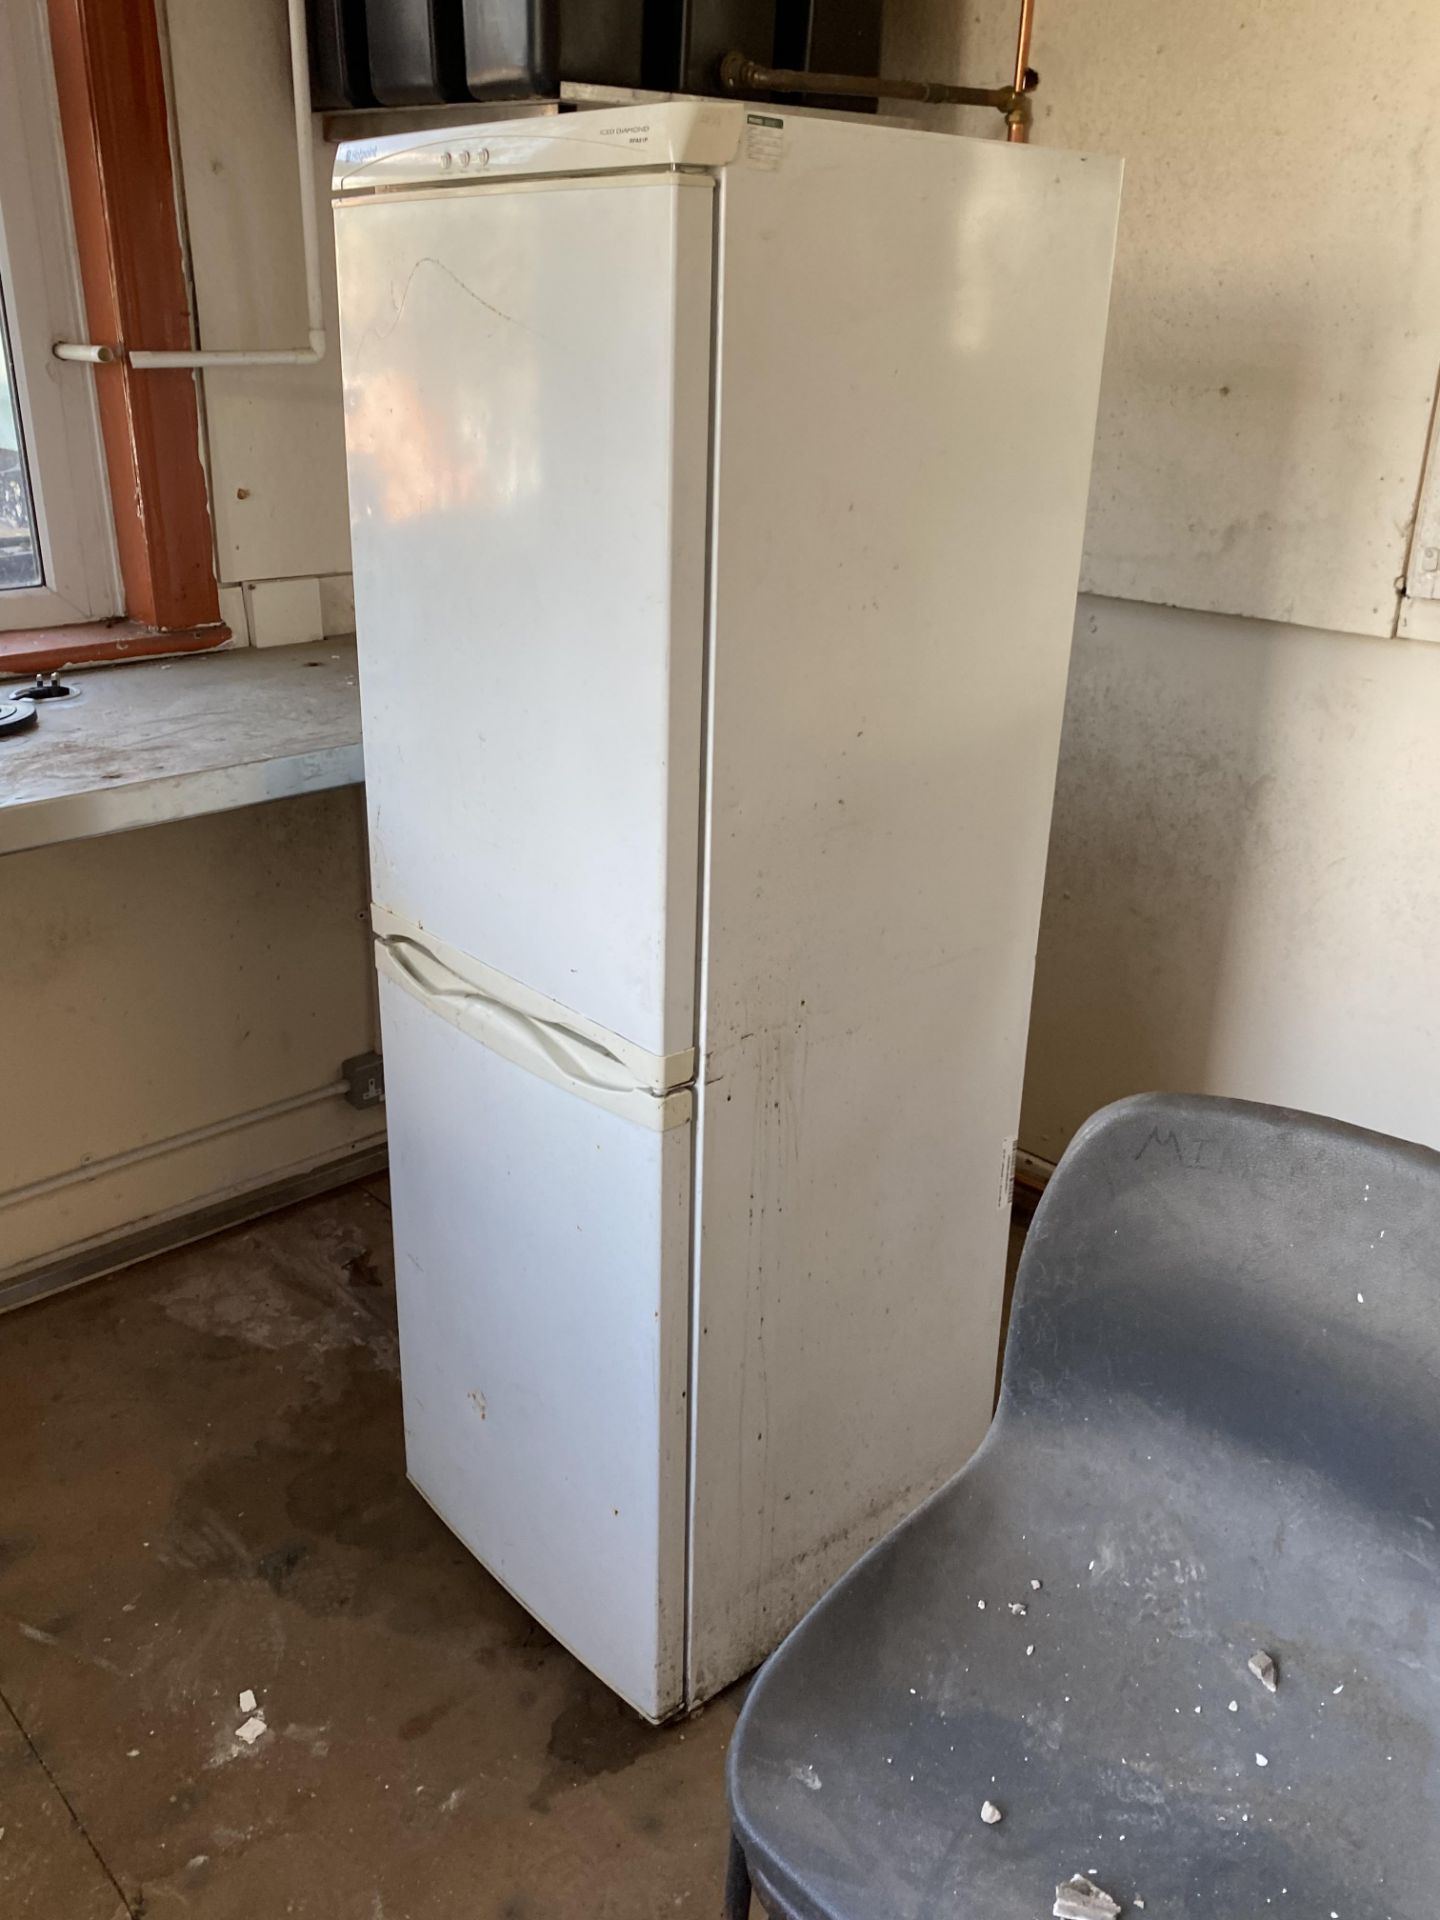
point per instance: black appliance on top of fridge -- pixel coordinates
(366, 53)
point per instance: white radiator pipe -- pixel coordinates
(85, 354)
(310, 228)
(175, 1142)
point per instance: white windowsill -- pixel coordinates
(170, 739)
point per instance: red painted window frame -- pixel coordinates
(110, 79)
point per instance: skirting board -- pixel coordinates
(161, 1235)
(1032, 1172)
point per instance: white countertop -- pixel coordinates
(169, 739)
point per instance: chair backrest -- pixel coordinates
(1265, 1274)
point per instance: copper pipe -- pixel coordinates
(741, 75)
(1017, 120)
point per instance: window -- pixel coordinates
(19, 553)
(57, 549)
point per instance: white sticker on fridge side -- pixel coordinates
(1007, 1173)
(764, 140)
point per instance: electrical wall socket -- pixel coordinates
(365, 1080)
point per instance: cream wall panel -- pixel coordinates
(276, 435)
(1243, 894)
(1275, 329)
(284, 613)
(168, 979)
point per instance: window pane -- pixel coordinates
(19, 553)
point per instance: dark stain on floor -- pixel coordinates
(593, 1734)
(205, 1493)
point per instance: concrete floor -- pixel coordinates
(204, 1491)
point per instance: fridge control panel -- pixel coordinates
(690, 134)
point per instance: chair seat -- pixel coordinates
(1175, 1531)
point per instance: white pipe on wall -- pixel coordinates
(85, 355)
(172, 1143)
(310, 230)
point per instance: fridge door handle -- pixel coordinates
(546, 1047)
(575, 1055)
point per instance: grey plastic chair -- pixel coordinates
(1218, 1437)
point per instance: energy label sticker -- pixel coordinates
(764, 140)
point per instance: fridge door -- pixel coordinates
(527, 378)
(542, 1246)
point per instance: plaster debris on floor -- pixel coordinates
(991, 1814)
(1078, 1898)
(1263, 1666)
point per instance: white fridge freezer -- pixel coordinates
(717, 479)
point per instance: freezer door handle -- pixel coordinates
(545, 1047)
(576, 1056)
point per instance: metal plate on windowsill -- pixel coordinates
(45, 686)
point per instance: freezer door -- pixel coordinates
(527, 371)
(542, 1258)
